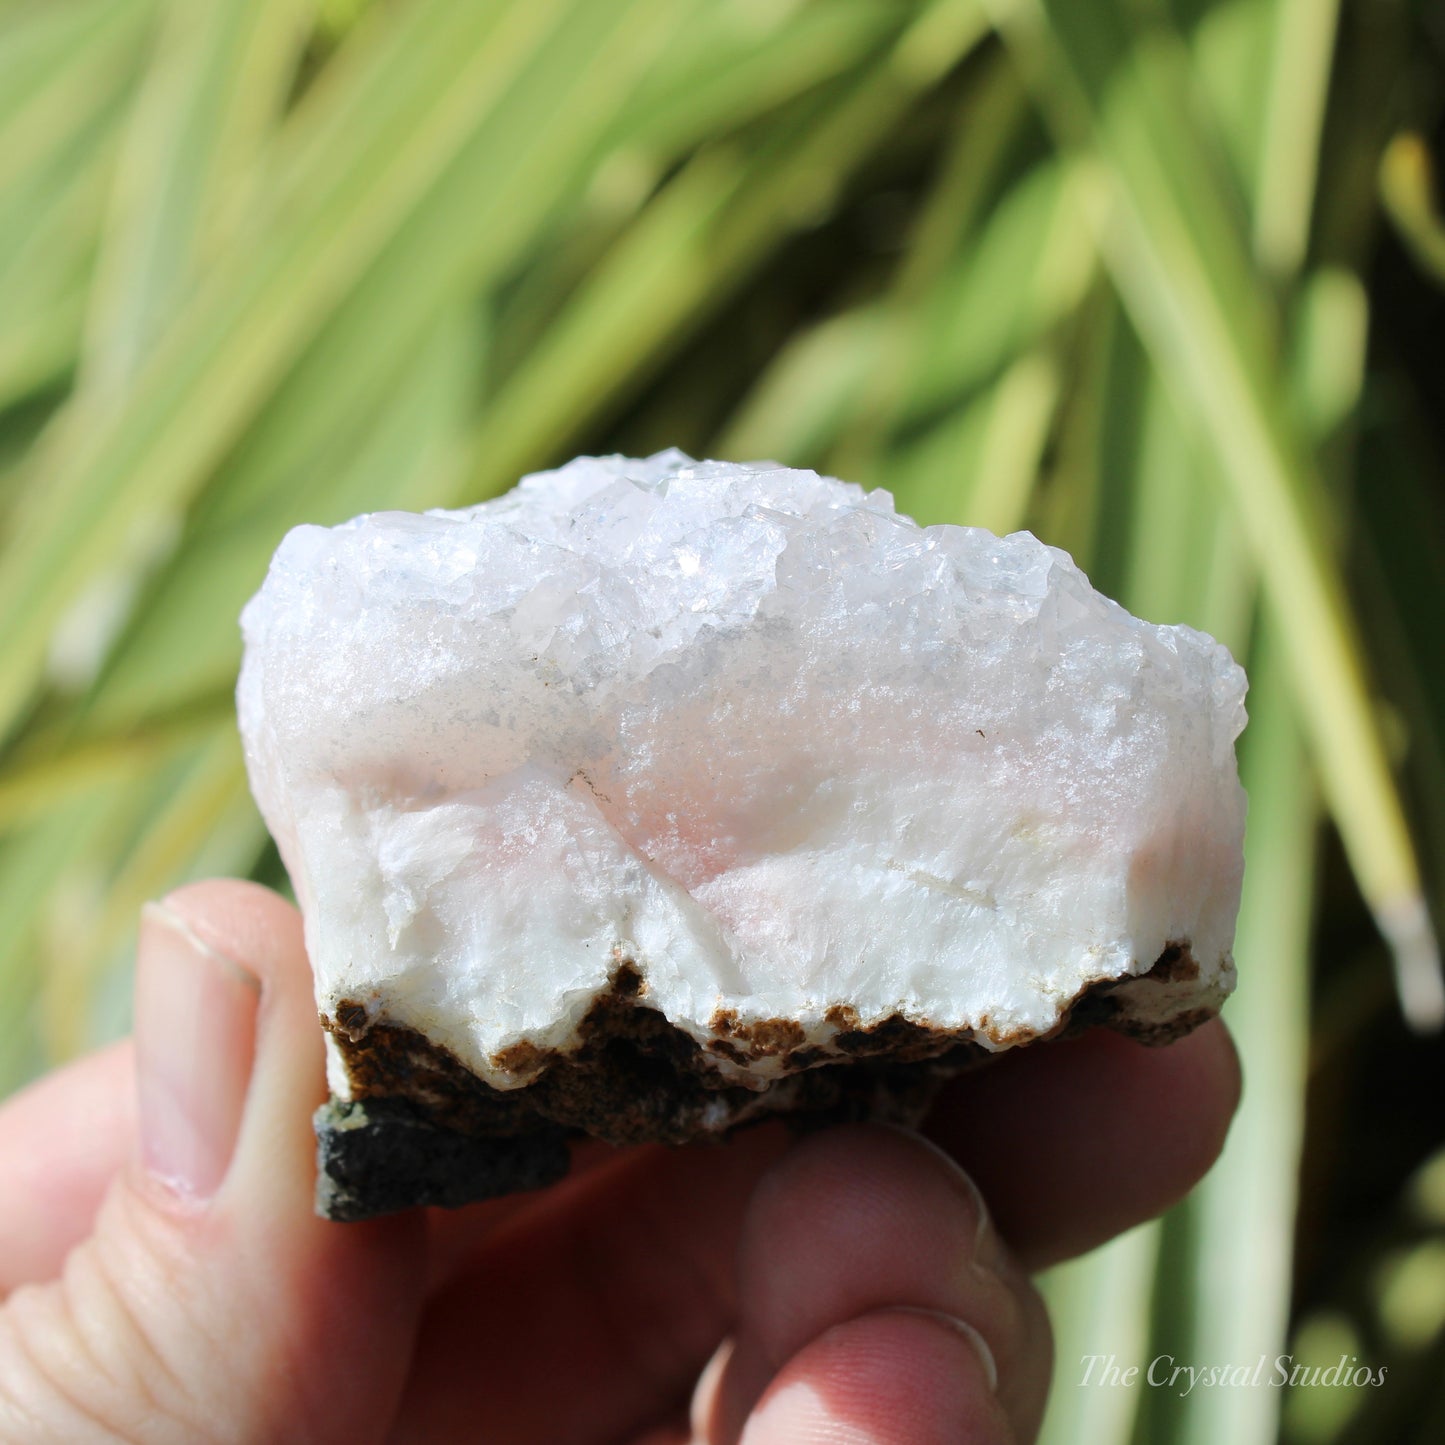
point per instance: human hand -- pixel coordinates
(164, 1278)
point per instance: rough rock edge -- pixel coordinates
(421, 1129)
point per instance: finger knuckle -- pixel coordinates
(81, 1359)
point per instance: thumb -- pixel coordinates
(211, 1303)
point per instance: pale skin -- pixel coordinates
(165, 1280)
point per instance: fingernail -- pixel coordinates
(960, 1327)
(988, 1250)
(702, 1412)
(195, 1037)
(745, 1375)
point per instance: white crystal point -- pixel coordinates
(786, 752)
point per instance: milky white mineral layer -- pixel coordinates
(753, 731)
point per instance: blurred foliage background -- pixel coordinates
(1158, 279)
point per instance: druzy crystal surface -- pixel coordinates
(798, 765)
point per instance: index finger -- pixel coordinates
(62, 1141)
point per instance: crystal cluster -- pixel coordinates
(791, 766)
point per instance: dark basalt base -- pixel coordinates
(422, 1129)
(381, 1155)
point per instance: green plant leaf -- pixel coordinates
(216, 84)
(116, 465)
(184, 641)
(698, 236)
(1176, 250)
(1407, 187)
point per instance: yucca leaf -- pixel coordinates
(702, 232)
(51, 879)
(50, 772)
(60, 65)
(972, 179)
(1407, 189)
(1029, 267)
(1232, 51)
(1297, 89)
(1177, 254)
(729, 66)
(1087, 492)
(1170, 516)
(979, 466)
(216, 82)
(805, 400)
(404, 459)
(47, 255)
(65, 81)
(118, 464)
(1242, 1280)
(1099, 1306)
(198, 794)
(925, 349)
